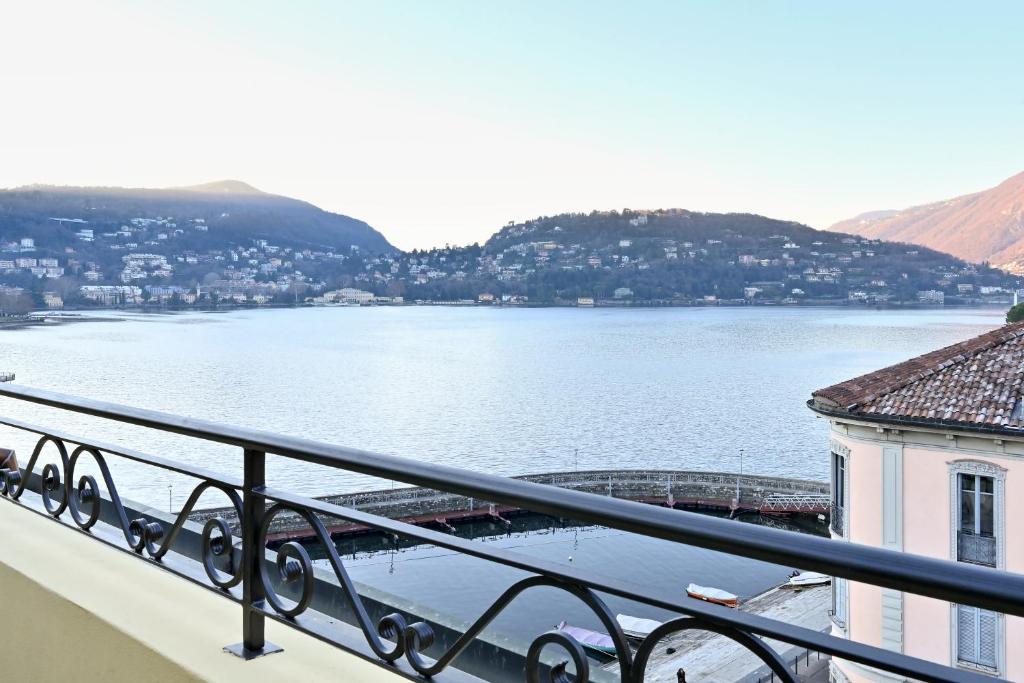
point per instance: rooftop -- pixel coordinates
(976, 383)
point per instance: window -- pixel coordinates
(838, 512)
(977, 504)
(976, 540)
(976, 636)
(838, 480)
(840, 599)
(977, 531)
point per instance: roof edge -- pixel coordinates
(943, 358)
(921, 423)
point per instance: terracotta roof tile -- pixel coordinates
(976, 382)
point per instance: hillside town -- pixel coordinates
(602, 258)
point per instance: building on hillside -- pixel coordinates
(622, 293)
(351, 295)
(927, 457)
(111, 295)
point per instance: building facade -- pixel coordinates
(927, 457)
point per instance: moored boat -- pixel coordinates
(592, 640)
(809, 579)
(635, 627)
(715, 595)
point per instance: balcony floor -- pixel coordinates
(73, 606)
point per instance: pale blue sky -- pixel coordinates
(440, 121)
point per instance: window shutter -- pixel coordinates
(967, 633)
(841, 599)
(987, 623)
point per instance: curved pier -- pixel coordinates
(682, 489)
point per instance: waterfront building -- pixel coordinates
(927, 457)
(351, 295)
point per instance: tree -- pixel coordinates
(1015, 314)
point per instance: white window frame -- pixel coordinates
(840, 603)
(998, 475)
(840, 586)
(843, 451)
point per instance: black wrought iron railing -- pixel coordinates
(976, 548)
(240, 573)
(837, 516)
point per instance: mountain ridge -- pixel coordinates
(240, 212)
(985, 226)
(676, 255)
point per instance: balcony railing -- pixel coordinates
(241, 574)
(976, 549)
(836, 516)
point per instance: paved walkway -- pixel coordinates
(711, 658)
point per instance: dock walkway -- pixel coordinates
(712, 658)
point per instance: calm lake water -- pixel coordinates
(497, 390)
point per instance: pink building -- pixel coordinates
(928, 458)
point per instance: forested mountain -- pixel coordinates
(227, 241)
(678, 255)
(233, 212)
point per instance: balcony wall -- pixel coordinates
(74, 607)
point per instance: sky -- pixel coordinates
(438, 122)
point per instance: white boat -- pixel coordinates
(809, 579)
(715, 595)
(592, 640)
(635, 627)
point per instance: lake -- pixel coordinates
(507, 391)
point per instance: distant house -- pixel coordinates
(625, 243)
(585, 301)
(931, 296)
(486, 298)
(927, 457)
(623, 293)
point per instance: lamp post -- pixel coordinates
(738, 479)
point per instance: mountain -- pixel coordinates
(223, 187)
(985, 226)
(235, 213)
(680, 256)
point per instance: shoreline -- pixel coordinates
(48, 318)
(75, 313)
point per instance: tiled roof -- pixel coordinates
(977, 382)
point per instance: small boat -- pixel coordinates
(635, 627)
(592, 640)
(715, 595)
(809, 579)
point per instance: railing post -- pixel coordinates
(253, 506)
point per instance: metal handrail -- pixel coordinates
(981, 586)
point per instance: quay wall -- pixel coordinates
(682, 488)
